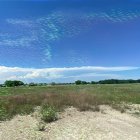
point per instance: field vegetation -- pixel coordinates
(52, 99)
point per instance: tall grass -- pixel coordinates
(86, 97)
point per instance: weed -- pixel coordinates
(49, 113)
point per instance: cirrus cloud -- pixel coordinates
(44, 30)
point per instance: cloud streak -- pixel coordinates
(60, 74)
(26, 23)
(115, 15)
(20, 42)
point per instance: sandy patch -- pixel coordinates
(108, 124)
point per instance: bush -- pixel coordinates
(48, 113)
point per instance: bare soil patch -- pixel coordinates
(107, 124)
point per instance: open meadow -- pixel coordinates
(23, 100)
(98, 111)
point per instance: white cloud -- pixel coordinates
(87, 75)
(27, 23)
(60, 74)
(20, 42)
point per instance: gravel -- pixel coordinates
(108, 124)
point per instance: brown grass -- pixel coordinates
(24, 104)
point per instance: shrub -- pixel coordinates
(48, 113)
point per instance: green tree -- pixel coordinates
(14, 83)
(93, 82)
(84, 82)
(32, 84)
(53, 83)
(78, 82)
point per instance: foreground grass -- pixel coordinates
(23, 100)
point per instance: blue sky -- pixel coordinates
(62, 41)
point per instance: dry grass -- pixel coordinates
(24, 104)
(86, 97)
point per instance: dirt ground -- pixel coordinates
(108, 124)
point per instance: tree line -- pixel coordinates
(108, 81)
(15, 83)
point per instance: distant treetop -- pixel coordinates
(14, 83)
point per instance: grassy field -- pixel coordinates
(23, 100)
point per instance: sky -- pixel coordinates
(67, 40)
